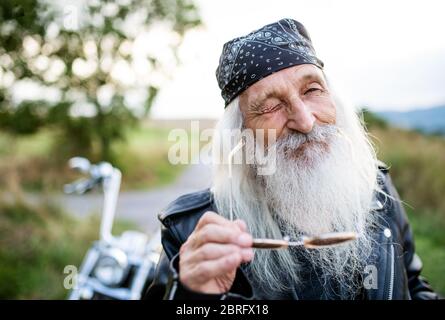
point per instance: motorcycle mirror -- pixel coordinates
(105, 169)
(80, 164)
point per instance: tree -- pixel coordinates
(94, 56)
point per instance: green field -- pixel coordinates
(38, 162)
(417, 164)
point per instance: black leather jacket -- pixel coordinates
(396, 264)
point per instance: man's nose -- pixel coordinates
(300, 117)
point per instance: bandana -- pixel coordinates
(248, 59)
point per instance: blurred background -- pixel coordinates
(108, 80)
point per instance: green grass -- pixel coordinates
(38, 144)
(430, 246)
(417, 168)
(36, 243)
(143, 158)
(35, 163)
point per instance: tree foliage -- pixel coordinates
(90, 58)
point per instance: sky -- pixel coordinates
(385, 55)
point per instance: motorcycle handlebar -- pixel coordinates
(109, 178)
(97, 172)
(81, 186)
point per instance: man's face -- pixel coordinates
(293, 99)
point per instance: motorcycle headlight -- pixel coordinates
(111, 268)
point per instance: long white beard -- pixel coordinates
(325, 186)
(315, 187)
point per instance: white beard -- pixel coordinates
(324, 187)
(317, 189)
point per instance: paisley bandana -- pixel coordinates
(248, 59)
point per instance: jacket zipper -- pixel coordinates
(391, 280)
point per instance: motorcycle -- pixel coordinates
(115, 267)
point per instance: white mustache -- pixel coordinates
(319, 133)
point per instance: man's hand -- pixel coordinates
(210, 256)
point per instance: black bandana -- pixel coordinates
(250, 58)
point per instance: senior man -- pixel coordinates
(326, 178)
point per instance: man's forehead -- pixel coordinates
(297, 74)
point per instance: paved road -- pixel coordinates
(141, 207)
